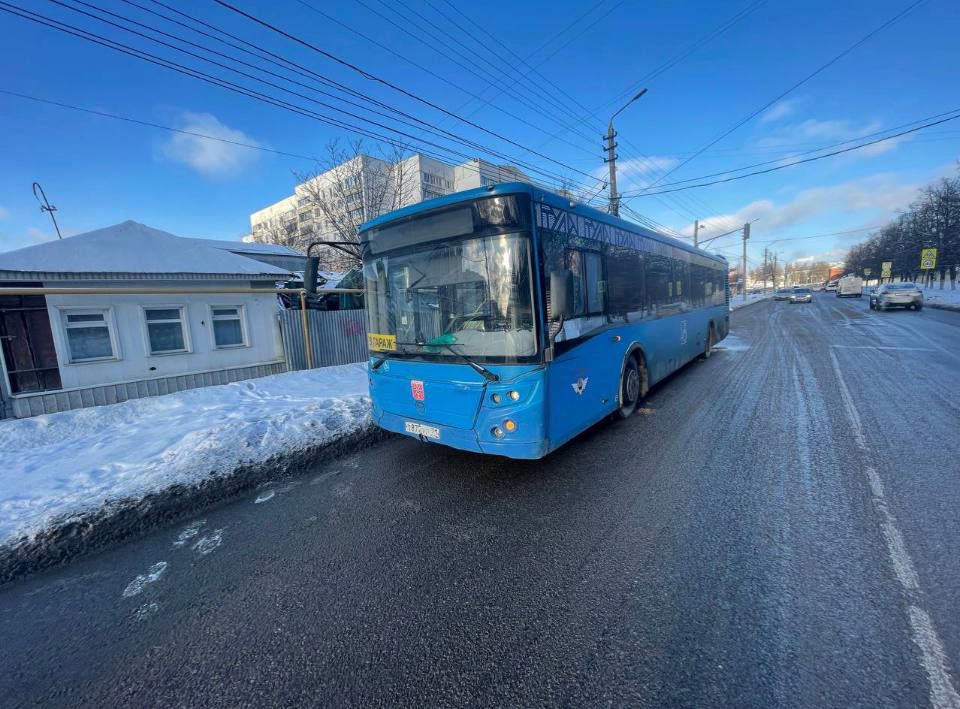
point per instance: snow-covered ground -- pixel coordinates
(941, 297)
(80, 461)
(737, 301)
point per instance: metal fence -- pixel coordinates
(335, 337)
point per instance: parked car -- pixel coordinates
(783, 294)
(897, 295)
(831, 285)
(801, 295)
(819, 286)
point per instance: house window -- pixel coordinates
(165, 330)
(89, 336)
(228, 330)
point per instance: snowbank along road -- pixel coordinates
(777, 527)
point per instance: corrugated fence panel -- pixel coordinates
(51, 402)
(336, 337)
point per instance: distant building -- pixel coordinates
(159, 313)
(355, 188)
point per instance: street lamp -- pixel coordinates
(611, 158)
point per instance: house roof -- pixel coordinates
(250, 247)
(131, 251)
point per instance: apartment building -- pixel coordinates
(332, 205)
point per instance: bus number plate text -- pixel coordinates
(418, 429)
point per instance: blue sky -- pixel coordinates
(99, 171)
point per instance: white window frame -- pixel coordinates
(184, 327)
(241, 314)
(109, 321)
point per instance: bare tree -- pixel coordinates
(346, 189)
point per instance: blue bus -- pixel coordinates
(508, 319)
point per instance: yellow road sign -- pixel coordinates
(886, 269)
(928, 259)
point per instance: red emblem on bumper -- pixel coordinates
(416, 389)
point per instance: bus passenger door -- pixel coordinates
(582, 385)
(583, 379)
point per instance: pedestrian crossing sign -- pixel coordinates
(928, 259)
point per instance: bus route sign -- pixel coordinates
(928, 259)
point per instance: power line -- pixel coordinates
(799, 162)
(219, 81)
(807, 152)
(422, 68)
(149, 124)
(798, 84)
(372, 77)
(691, 49)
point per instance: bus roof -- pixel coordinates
(539, 194)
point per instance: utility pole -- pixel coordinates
(45, 206)
(746, 235)
(765, 252)
(774, 271)
(611, 161)
(611, 147)
(696, 233)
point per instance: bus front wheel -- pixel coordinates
(630, 385)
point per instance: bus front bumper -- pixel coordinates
(460, 438)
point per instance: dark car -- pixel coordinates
(801, 295)
(783, 294)
(897, 295)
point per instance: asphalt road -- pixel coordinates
(778, 527)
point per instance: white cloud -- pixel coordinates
(801, 135)
(779, 110)
(882, 195)
(209, 157)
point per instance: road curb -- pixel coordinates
(746, 305)
(942, 306)
(121, 520)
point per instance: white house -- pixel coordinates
(146, 313)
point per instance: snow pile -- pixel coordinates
(736, 301)
(935, 296)
(78, 461)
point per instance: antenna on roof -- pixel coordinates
(45, 206)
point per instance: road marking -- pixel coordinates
(883, 347)
(943, 695)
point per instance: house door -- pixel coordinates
(27, 343)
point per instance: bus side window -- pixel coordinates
(593, 269)
(573, 260)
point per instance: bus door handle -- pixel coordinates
(616, 338)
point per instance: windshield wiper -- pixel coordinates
(477, 367)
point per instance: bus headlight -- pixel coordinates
(514, 395)
(495, 398)
(497, 432)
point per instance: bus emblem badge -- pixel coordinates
(580, 385)
(416, 389)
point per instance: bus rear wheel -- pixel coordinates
(711, 341)
(630, 385)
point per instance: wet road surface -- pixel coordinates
(777, 527)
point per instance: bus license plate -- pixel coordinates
(419, 429)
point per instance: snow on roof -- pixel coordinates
(131, 250)
(250, 247)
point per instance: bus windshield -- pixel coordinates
(470, 297)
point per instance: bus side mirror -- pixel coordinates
(561, 294)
